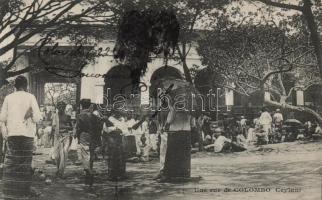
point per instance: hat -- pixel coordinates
(277, 110)
(242, 117)
(218, 130)
(213, 125)
(86, 103)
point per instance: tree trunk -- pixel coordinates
(183, 58)
(315, 37)
(295, 108)
(186, 71)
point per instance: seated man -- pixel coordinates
(208, 140)
(221, 144)
(240, 144)
(251, 135)
(261, 135)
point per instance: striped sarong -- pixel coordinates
(17, 174)
(177, 163)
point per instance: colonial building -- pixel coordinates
(103, 77)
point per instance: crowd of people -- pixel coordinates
(22, 127)
(81, 137)
(269, 127)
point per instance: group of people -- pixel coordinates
(238, 135)
(266, 127)
(20, 114)
(172, 135)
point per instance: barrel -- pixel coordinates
(17, 175)
(178, 156)
(129, 145)
(116, 156)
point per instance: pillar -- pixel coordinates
(299, 97)
(229, 98)
(145, 95)
(267, 96)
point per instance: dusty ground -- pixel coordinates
(296, 165)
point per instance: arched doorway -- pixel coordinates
(165, 72)
(313, 96)
(162, 73)
(119, 87)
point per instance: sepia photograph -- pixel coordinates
(160, 99)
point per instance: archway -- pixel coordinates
(161, 73)
(119, 86)
(313, 96)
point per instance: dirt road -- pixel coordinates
(285, 171)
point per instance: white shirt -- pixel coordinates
(265, 118)
(219, 143)
(13, 111)
(243, 122)
(69, 109)
(180, 121)
(251, 135)
(318, 129)
(145, 127)
(117, 123)
(278, 117)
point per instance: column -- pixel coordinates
(267, 96)
(229, 98)
(145, 95)
(299, 97)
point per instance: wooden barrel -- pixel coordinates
(178, 155)
(129, 145)
(116, 156)
(17, 176)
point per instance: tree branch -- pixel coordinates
(267, 76)
(53, 22)
(16, 56)
(281, 5)
(15, 73)
(290, 92)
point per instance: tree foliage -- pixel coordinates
(258, 58)
(21, 20)
(55, 92)
(143, 33)
(306, 17)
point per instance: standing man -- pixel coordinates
(243, 125)
(175, 148)
(113, 131)
(278, 119)
(62, 128)
(147, 145)
(266, 121)
(20, 113)
(88, 132)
